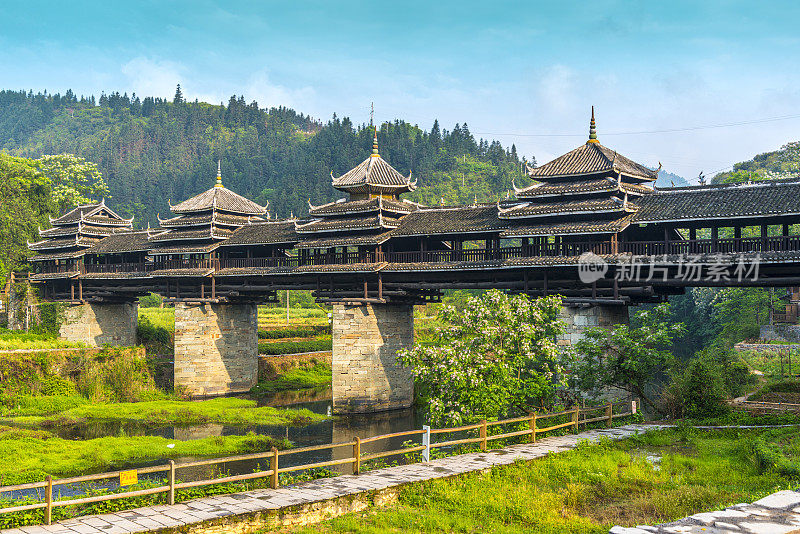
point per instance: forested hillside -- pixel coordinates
(151, 150)
(781, 163)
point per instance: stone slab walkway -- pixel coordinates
(220, 513)
(778, 513)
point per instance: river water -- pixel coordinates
(338, 429)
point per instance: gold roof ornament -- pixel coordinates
(592, 130)
(219, 174)
(375, 145)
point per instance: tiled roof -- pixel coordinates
(591, 158)
(122, 242)
(577, 187)
(219, 198)
(353, 240)
(59, 231)
(49, 256)
(181, 233)
(756, 199)
(67, 242)
(571, 207)
(189, 248)
(264, 233)
(89, 211)
(371, 205)
(455, 220)
(375, 174)
(568, 227)
(374, 222)
(206, 219)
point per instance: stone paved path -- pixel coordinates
(778, 513)
(191, 514)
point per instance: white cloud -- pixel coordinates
(556, 88)
(153, 77)
(268, 94)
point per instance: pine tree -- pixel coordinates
(178, 96)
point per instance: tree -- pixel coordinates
(631, 358)
(74, 180)
(178, 96)
(24, 205)
(496, 356)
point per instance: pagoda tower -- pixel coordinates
(366, 217)
(588, 194)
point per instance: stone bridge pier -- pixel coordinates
(366, 376)
(98, 324)
(216, 348)
(579, 318)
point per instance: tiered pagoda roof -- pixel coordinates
(371, 212)
(76, 231)
(205, 220)
(589, 190)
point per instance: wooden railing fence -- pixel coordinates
(170, 468)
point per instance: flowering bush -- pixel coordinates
(631, 358)
(496, 356)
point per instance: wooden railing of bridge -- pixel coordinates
(567, 419)
(639, 248)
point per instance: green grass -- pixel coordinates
(159, 317)
(30, 455)
(228, 411)
(769, 363)
(16, 340)
(585, 490)
(317, 376)
(319, 343)
(296, 331)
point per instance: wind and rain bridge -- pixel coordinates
(592, 228)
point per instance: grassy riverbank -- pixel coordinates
(313, 376)
(30, 455)
(226, 411)
(654, 478)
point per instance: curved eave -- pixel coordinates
(621, 209)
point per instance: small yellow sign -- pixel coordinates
(128, 478)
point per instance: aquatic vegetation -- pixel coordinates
(227, 410)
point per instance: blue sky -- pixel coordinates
(521, 72)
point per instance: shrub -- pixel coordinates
(151, 301)
(702, 389)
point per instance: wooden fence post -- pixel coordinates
(532, 424)
(356, 455)
(484, 440)
(48, 499)
(171, 480)
(610, 414)
(274, 468)
(575, 418)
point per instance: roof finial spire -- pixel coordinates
(219, 174)
(592, 129)
(375, 144)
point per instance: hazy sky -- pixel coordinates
(521, 72)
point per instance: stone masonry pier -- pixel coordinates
(581, 318)
(216, 348)
(99, 324)
(366, 338)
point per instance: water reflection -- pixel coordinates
(334, 430)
